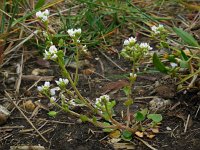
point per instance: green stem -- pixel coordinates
(77, 64)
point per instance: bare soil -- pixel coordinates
(65, 132)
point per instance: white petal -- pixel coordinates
(46, 12)
(47, 84)
(126, 42)
(39, 88)
(39, 14)
(52, 92)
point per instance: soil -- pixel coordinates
(65, 132)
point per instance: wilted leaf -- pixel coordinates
(150, 136)
(88, 71)
(114, 86)
(115, 134)
(155, 130)
(139, 134)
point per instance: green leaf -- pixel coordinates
(126, 135)
(158, 64)
(127, 90)
(155, 117)
(107, 129)
(39, 4)
(94, 119)
(184, 56)
(144, 111)
(84, 118)
(128, 102)
(171, 58)
(186, 37)
(139, 116)
(52, 113)
(61, 43)
(184, 64)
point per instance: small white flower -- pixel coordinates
(52, 53)
(53, 91)
(74, 32)
(44, 18)
(46, 12)
(39, 14)
(103, 97)
(39, 88)
(47, 84)
(145, 46)
(66, 81)
(72, 102)
(53, 99)
(45, 34)
(43, 15)
(54, 56)
(126, 42)
(44, 87)
(53, 49)
(131, 40)
(173, 65)
(133, 75)
(157, 29)
(62, 82)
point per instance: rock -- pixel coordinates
(159, 104)
(29, 106)
(165, 91)
(24, 147)
(4, 114)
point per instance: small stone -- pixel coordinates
(29, 106)
(165, 91)
(168, 128)
(4, 114)
(159, 104)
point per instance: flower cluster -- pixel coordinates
(130, 42)
(158, 29)
(101, 100)
(51, 54)
(74, 34)
(105, 106)
(44, 88)
(43, 15)
(62, 83)
(53, 96)
(145, 46)
(134, 51)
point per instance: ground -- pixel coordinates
(179, 129)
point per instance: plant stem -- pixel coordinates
(77, 64)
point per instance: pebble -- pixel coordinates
(159, 104)
(4, 114)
